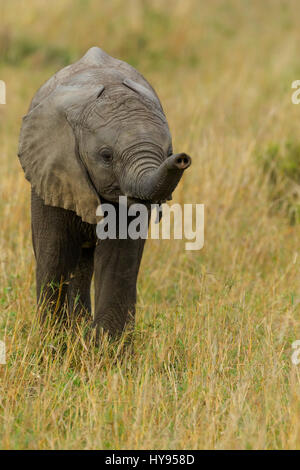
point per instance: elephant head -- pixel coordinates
(96, 131)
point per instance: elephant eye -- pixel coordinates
(106, 156)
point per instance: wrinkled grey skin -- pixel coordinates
(96, 130)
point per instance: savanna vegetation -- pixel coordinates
(211, 360)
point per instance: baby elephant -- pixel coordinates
(95, 131)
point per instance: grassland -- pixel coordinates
(211, 366)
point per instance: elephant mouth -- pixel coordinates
(114, 193)
(111, 194)
(133, 200)
(114, 198)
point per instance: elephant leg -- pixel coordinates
(79, 289)
(57, 253)
(116, 266)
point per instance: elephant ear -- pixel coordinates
(143, 91)
(48, 151)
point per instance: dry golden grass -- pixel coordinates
(211, 366)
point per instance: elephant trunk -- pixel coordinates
(158, 184)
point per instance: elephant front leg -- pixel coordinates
(78, 294)
(57, 253)
(52, 280)
(116, 266)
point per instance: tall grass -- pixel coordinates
(211, 360)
